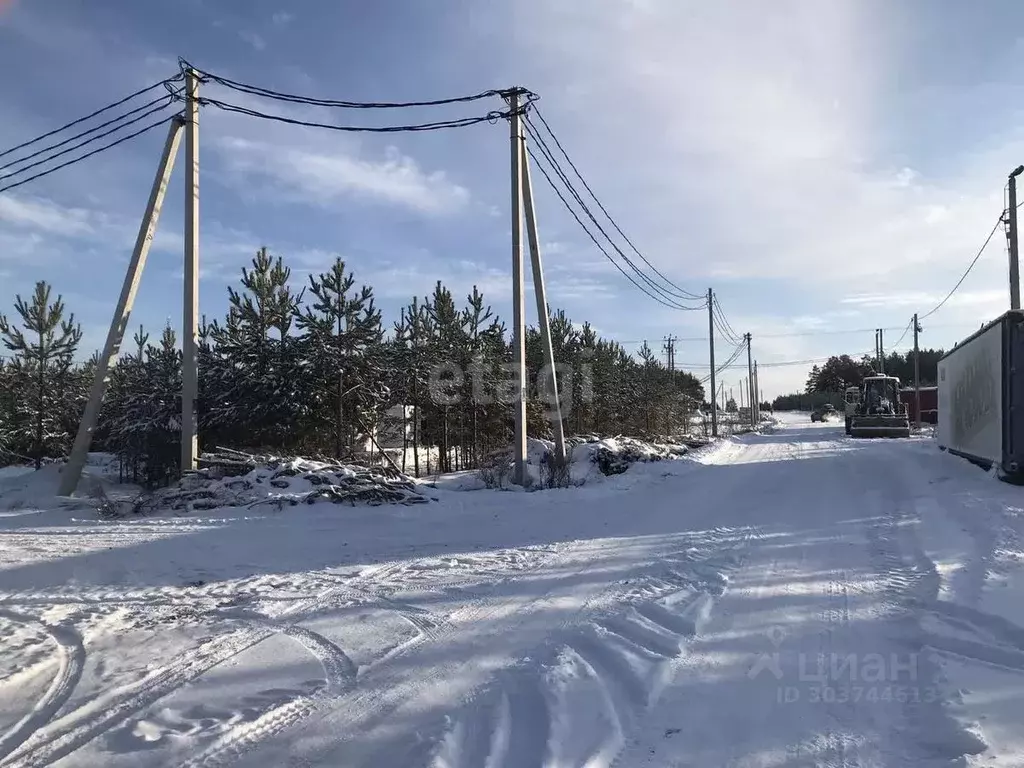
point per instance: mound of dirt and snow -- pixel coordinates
(279, 482)
(591, 458)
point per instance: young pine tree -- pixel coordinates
(44, 348)
(342, 344)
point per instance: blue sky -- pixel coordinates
(825, 166)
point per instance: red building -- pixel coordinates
(929, 403)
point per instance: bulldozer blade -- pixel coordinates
(880, 428)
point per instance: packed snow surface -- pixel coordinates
(796, 598)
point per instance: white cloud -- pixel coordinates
(39, 214)
(282, 18)
(253, 39)
(320, 177)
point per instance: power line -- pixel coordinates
(905, 332)
(682, 293)
(673, 297)
(167, 100)
(965, 274)
(81, 134)
(254, 90)
(590, 234)
(722, 322)
(91, 115)
(465, 122)
(667, 298)
(104, 148)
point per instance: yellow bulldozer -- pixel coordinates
(879, 412)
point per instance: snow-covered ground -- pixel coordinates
(788, 599)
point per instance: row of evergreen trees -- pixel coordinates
(314, 369)
(826, 382)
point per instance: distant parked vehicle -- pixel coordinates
(826, 412)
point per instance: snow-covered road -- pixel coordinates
(790, 599)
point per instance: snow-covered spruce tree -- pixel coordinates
(259, 405)
(648, 387)
(44, 348)
(115, 432)
(583, 379)
(346, 370)
(448, 345)
(414, 331)
(6, 413)
(483, 346)
(144, 417)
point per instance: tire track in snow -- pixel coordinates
(594, 683)
(71, 660)
(243, 738)
(340, 676)
(993, 640)
(99, 715)
(911, 583)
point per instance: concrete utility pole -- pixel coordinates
(877, 355)
(540, 292)
(750, 381)
(881, 350)
(670, 351)
(1011, 215)
(119, 322)
(917, 375)
(518, 288)
(757, 400)
(190, 309)
(711, 354)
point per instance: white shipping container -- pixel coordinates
(971, 396)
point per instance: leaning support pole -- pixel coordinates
(190, 307)
(518, 307)
(119, 322)
(540, 292)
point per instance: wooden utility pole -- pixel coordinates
(711, 354)
(72, 471)
(540, 292)
(1011, 216)
(917, 375)
(750, 381)
(190, 307)
(518, 288)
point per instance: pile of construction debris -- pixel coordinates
(235, 479)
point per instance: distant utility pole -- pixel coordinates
(1011, 236)
(750, 381)
(670, 351)
(757, 400)
(877, 363)
(881, 350)
(917, 375)
(711, 355)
